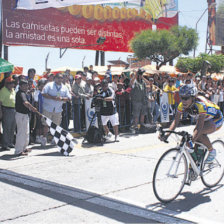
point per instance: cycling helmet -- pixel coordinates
(188, 90)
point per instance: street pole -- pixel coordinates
(46, 61)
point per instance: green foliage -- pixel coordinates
(195, 64)
(163, 46)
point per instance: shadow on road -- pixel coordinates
(190, 201)
(99, 204)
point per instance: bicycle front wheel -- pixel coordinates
(170, 175)
(212, 173)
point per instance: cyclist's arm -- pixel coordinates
(175, 122)
(172, 127)
(199, 127)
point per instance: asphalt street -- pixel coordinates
(100, 184)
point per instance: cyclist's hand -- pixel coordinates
(163, 138)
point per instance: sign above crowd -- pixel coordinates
(80, 26)
(41, 4)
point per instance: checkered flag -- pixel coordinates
(62, 138)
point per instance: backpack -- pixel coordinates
(94, 135)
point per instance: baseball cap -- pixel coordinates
(78, 77)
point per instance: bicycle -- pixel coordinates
(176, 167)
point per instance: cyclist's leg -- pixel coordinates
(209, 127)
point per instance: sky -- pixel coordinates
(34, 57)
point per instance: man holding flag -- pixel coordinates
(54, 95)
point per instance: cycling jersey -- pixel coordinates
(202, 106)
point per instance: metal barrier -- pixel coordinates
(73, 115)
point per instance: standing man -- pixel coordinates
(78, 103)
(139, 98)
(108, 109)
(54, 95)
(23, 108)
(7, 113)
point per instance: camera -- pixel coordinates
(140, 71)
(96, 102)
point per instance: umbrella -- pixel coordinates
(5, 66)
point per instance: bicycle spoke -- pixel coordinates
(213, 172)
(168, 184)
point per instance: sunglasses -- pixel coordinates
(185, 98)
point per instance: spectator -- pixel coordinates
(96, 81)
(197, 82)
(178, 80)
(209, 91)
(94, 75)
(6, 75)
(91, 69)
(221, 97)
(88, 88)
(30, 98)
(38, 103)
(109, 72)
(23, 108)
(78, 103)
(69, 77)
(165, 80)
(16, 80)
(139, 98)
(171, 89)
(114, 83)
(120, 102)
(66, 107)
(85, 70)
(108, 109)
(107, 77)
(203, 83)
(50, 77)
(55, 94)
(7, 113)
(31, 75)
(152, 103)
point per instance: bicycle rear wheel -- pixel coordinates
(170, 175)
(212, 173)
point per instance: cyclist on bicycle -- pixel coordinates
(208, 115)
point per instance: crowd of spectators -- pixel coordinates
(61, 97)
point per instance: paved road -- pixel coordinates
(99, 184)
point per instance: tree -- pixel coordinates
(163, 46)
(195, 64)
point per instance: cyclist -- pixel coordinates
(208, 115)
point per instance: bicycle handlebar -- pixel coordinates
(181, 133)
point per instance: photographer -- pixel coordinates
(139, 98)
(108, 109)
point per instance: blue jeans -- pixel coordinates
(155, 111)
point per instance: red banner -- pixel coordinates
(77, 26)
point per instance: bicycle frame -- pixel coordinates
(184, 150)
